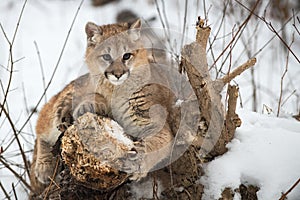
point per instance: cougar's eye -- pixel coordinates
(126, 56)
(106, 57)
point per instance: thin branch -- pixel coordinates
(165, 16)
(163, 25)
(184, 23)
(11, 53)
(246, 41)
(218, 30)
(161, 18)
(26, 105)
(215, 38)
(204, 9)
(18, 60)
(274, 36)
(14, 191)
(238, 31)
(41, 67)
(227, 78)
(282, 78)
(284, 196)
(18, 23)
(229, 68)
(15, 173)
(294, 24)
(237, 39)
(270, 26)
(17, 139)
(2, 89)
(5, 35)
(4, 191)
(52, 178)
(56, 67)
(287, 98)
(272, 29)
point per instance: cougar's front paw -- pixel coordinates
(133, 162)
(43, 171)
(88, 106)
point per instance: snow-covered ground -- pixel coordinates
(264, 151)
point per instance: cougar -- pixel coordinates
(121, 84)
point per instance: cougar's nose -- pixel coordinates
(118, 74)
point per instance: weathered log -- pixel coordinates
(91, 149)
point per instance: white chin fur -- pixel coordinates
(115, 81)
(118, 82)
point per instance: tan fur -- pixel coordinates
(141, 103)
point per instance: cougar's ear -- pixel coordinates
(91, 31)
(135, 29)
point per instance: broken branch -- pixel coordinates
(227, 78)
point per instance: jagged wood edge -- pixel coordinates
(194, 64)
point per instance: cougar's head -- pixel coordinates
(114, 50)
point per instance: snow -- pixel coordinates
(264, 152)
(117, 132)
(265, 149)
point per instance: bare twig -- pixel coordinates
(2, 89)
(254, 91)
(227, 78)
(238, 31)
(272, 29)
(270, 26)
(246, 40)
(164, 25)
(52, 178)
(204, 9)
(160, 17)
(274, 36)
(284, 196)
(184, 23)
(11, 70)
(17, 139)
(294, 22)
(165, 16)
(229, 67)
(26, 105)
(14, 191)
(41, 66)
(211, 42)
(4, 191)
(11, 53)
(56, 67)
(282, 78)
(4, 33)
(288, 97)
(15, 173)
